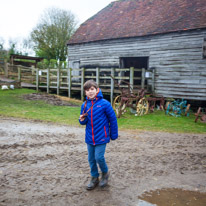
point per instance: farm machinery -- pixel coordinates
(139, 103)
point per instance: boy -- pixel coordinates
(101, 126)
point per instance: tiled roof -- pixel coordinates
(132, 18)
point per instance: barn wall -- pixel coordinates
(180, 70)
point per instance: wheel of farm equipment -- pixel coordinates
(169, 107)
(187, 110)
(198, 114)
(142, 107)
(117, 105)
(166, 105)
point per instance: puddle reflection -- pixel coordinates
(144, 203)
(172, 197)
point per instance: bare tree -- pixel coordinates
(51, 34)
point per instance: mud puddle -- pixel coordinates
(172, 197)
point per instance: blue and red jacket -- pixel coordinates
(101, 122)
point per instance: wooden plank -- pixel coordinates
(112, 85)
(78, 84)
(203, 81)
(37, 79)
(91, 77)
(193, 90)
(97, 75)
(69, 80)
(136, 78)
(19, 74)
(143, 78)
(82, 84)
(53, 83)
(6, 69)
(185, 81)
(48, 79)
(153, 80)
(76, 76)
(131, 80)
(174, 85)
(90, 70)
(120, 70)
(190, 77)
(58, 80)
(188, 97)
(183, 93)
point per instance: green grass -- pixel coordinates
(158, 121)
(13, 105)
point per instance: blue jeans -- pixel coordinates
(96, 156)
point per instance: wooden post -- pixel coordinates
(58, 79)
(19, 74)
(97, 75)
(48, 79)
(69, 80)
(143, 78)
(82, 84)
(131, 78)
(6, 69)
(112, 85)
(153, 80)
(37, 79)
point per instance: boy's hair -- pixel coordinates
(90, 83)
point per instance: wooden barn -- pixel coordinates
(167, 36)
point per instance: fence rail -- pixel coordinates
(74, 79)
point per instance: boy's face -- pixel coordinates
(91, 92)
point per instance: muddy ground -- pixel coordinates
(46, 164)
(49, 99)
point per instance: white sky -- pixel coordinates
(19, 17)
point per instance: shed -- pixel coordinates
(166, 35)
(16, 59)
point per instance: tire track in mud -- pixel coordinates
(33, 151)
(30, 163)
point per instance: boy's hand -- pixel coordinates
(82, 117)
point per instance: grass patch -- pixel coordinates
(12, 104)
(158, 121)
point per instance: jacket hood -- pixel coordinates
(99, 95)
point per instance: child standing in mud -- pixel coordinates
(101, 126)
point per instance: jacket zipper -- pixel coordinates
(105, 131)
(92, 124)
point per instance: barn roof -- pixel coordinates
(133, 18)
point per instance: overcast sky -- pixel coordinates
(19, 17)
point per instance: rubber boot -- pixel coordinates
(93, 183)
(104, 179)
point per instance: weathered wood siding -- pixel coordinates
(180, 70)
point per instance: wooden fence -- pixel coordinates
(74, 79)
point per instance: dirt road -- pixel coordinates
(46, 164)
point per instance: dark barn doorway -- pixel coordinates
(136, 62)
